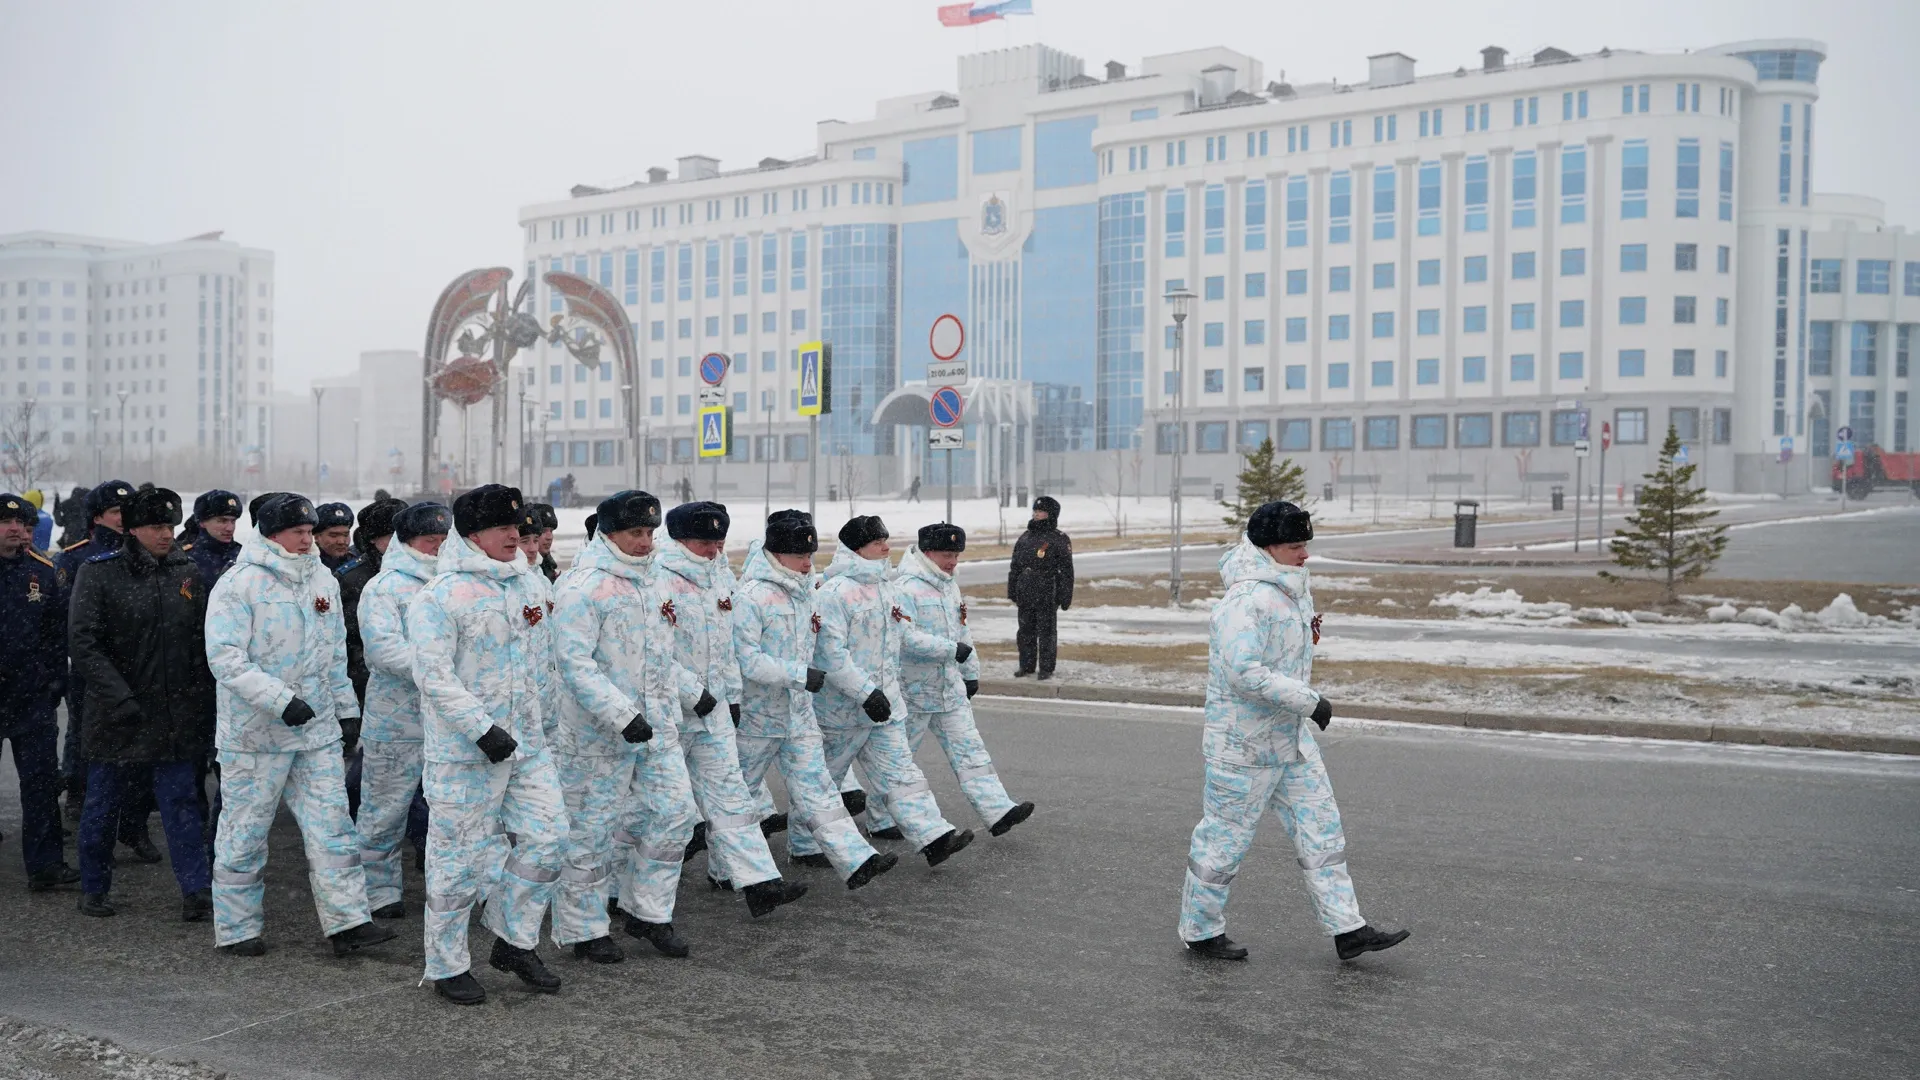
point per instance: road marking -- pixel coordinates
(282, 1016)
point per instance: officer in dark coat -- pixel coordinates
(333, 537)
(136, 633)
(103, 506)
(549, 520)
(1040, 583)
(370, 542)
(209, 539)
(33, 675)
(73, 517)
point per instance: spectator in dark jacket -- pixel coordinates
(33, 675)
(1040, 584)
(136, 633)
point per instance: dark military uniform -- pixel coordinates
(137, 636)
(33, 675)
(1040, 583)
(113, 493)
(332, 515)
(211, 556)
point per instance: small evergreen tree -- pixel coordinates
(1668, 534)
(1262, 481)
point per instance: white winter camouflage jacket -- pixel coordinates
(615, 655)
(275, 632)
(1259, 661)
(393, 702)
(774, 630)
(936, 621)
(474, 655)
(696, 596)
(859, 642)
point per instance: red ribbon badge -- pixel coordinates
(816, 622)
(532, 614)
(726, 603)
(667, 613)
(322, 605)
(1316, 629)
(186, 589)
(549, 607)
(963, 614)
(900, 616)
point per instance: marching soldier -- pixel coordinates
(369, 543)
(33, 675)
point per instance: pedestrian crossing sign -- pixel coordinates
(716, 431)
(816, 379)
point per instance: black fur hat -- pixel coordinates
(422, 519)
(698, 521)
(1279, 523)
(376, 518)
(15, 508)
(258, 502)
(530, 521)
(113, 493)
(943, 537)
(333, 515)
(790, 532)
(1051, 505)
(858, 532)
(486, 507)
(548, 517)
(153, 506)
(216, 503)
(283, 511)
(627, 510)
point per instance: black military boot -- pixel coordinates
(52, 877)
(1220, 947)
(526, 964)
(253, 946)
(661, 934)
(1367, 939)
(855, 801)
(461, 989)
(601, 950)
(878, 863)
(96, 905)
(947, 846)
(359, 937)
(817, 860)
(1011, 818)
(197, 906)
(395, 910)
(773, 823)
(698, 843)
(141, 845)
(764, 896)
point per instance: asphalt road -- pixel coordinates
(1579, 908)
(1866, 548)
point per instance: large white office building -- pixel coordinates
(140, 360)
(1418, 280)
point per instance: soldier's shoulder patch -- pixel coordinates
(76, 547)
(105, 555)
(40, 558)
(350, 565)
(186, 547)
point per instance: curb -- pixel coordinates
(1618, 727)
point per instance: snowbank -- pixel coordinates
(1506, 603)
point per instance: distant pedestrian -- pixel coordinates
(913, 490)
(1040, 583)
(138, 618)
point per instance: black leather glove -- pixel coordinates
(735, 710)
(815, 680)
(349, 734)
(1066, 605)
(496, 744)
(1322, 714)
(296, 713)
(637, 732)
(961, 652)
(973, 687)
(705, 704)
(876, 708)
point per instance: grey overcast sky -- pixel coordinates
(380, 148)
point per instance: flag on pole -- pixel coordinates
(973, 14)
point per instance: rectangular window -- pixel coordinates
(1520, 367)
(1296, 378)
(1256, 212)
(797, 261)
(1176, 212)
(1383, 432)
(1256, 286)
(1296, 211)
(1633, 178)
(1252, 434)
(1724, 262)
(1683, 362)
(1865, 354)
(1522, 317)
(1253, 380)
(630, 292)
(657, 275)
(1339, 279)
(1687, 179)
(1873, 276)
(1426, 371)
(997, 150)
(1525, 186)
(1722, 309)
(712, 328)
(1337, 376)
(1630, 426)
(713, 270)
(1910, 280)
(1902, 349)
(1683, 310)
(1860, 415)
(1726, 181)
(684, 327)
(1823, 275)
(1383, 324)
(1214, 219)
(1340, 208)
(1473, 319)
(1719, 363)
(1633, 363)
(1427, 272)
(1573, 262)
(1566, 426)
(1338, 328)
(1522, 265)
(1384, 201)
(1215, 334)
(1255, 332)
(1296, 435)
(1383, 275)
(1170, 439)
(1213, 381)
(1336, 433)
(1820, 348)
(1573, 313)
(1429, 194)
(1296, 283)
(798, 319)
(1633, 258)
(1214, 287)
(1573, 365)
(1476, 194)
(1685, 423)
(769, 264)
(1686, 257)
(683, 258)
(1520, 429)
(1573, 182)
(1473, 369)
(1296, 329)
(1476, 269)
(1426, 321)
(1472, 431)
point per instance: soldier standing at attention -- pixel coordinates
(1040, 583)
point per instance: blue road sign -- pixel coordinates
(816, 379)
(716, 429)
(713, 368)
(1681, 456)
(1843, 450)
(945, 408)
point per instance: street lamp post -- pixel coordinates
(93, 436)
(122, 395)
(1179, 300)
(318, 393)
(1815, 410)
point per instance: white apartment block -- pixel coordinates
(1414, 281)
(145, 360)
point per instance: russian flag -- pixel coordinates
(973, 14)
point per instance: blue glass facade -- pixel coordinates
(931, 170)
(1063, 152)
(998, 150)
(1058, 329)
(857, 274)
(933, 282)
(1120, 320)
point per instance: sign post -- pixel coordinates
(946, 409)
(1786, 455)
(1581, 448)
(816, 398)
(947, 338)
(713, 396)
(1600, 504)
(1843, 456)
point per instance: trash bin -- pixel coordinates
(833, 493)
(1023, 497)
(1466, 520)
(1219, 492)
(1639, 494)
(1559, 497)
(1326, 492)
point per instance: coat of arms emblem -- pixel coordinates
(993, 217)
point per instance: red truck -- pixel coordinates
(1875, 468)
